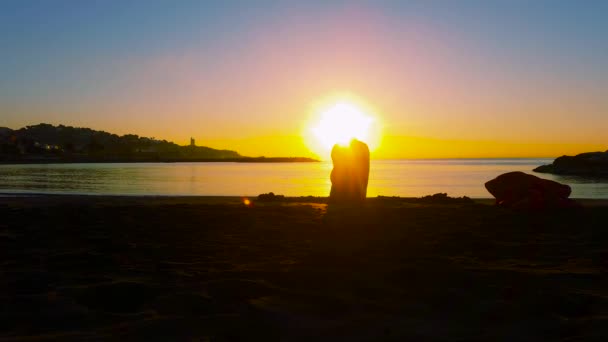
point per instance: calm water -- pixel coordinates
(457, 177)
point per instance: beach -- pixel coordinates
(213, 268)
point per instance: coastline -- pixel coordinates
(112, 160)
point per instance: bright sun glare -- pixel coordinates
(340, 123)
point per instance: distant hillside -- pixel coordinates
(66, 143)
(589, 164)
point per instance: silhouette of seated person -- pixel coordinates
(350, 174)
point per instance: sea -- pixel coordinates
(405, 178)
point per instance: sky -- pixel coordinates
(442, 79)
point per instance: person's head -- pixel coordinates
(339, 153)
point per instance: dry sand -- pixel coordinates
(191, 268)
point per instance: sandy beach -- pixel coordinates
(212, 268)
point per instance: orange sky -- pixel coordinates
(443, 83)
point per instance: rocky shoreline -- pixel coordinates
(594, 164)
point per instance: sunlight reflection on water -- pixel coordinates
(457, 177)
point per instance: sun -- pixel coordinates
(338, 123)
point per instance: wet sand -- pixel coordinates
(201, 268)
